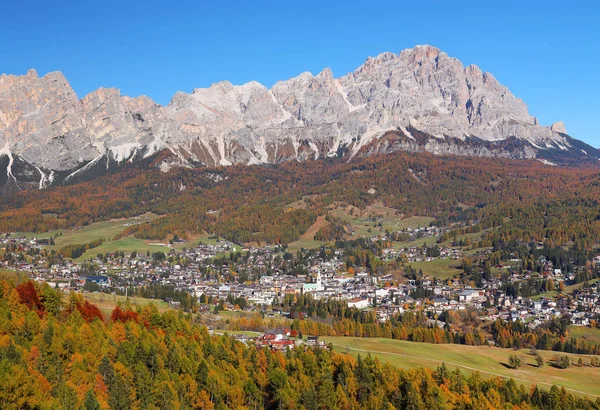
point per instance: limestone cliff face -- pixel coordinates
(122, 126)
(461, 109)
(41, 119)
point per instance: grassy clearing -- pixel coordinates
(586, 333)
(236, 332)
(498, 271)
(566, 291)
(107, 302)
(106, 230)
(41, 235)
(416, 243)
(369, 219)
(234, 314)
(570, 289)
(205, 239)
(127, 245)
(474, 237)
(195, 240)
(304, 243)
(440, 268)
(274, 322)
(412, 222)
(489, 361)
(547, 295)
(391, 215)
(130, 244)
(300, 204)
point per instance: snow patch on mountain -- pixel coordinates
(43, 179)
(6, 151)
(124, 151)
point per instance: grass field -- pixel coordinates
(430, 240)
(548, 295)
(374, 215)
(109, 229)
(440, 268)
(584, 332)
(362, 225)
(236, 332)
(498, 271)
(567, 290)
(106, 303)
(304, 243)
(570, 289)
(433, 239)
(127, 245)
(42, 235)
(300, 204)
(474, 237)
(205, 239)
(106, 230)
(488, 361)
(229, 314)
(195, 240)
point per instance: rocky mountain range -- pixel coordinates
(418, 100)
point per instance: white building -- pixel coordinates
(359, 303)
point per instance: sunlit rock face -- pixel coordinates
(462, 110)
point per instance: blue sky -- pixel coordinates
(547, 52)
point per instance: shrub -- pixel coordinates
(564, 362)
(514, 361)
(539, 360)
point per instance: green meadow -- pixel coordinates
(488, 361)
(440, 268)
(106, 230)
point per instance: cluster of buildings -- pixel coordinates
(417, 254)
(263, 275)
(278, 340)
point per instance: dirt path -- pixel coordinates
(463, 366)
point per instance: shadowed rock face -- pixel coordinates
(43, 122)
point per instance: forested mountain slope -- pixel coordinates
(526, 200)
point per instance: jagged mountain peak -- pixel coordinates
(421, 89)
(326, 74)
(559, 127)
(421, 52)
(302, 78)
(31, 74)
